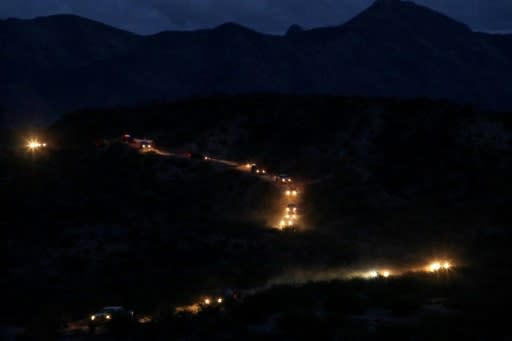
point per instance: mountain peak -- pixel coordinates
(402, 16)
(232, 27)
(388, 2)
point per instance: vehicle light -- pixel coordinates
(93, 317)
(149, 146)
(435, 266)
(446, 265)
(287, 192)
(108, 316)
(207, 301)
(372, 274)
(386, 274)
(219, 300)
(33, 144)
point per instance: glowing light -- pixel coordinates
(435, 266)
(287, 192)
(34, 144)
(207, 301)
(446, 265)
(219, 300)
(386, 274)
(93, 317)
(108, 317)
(372, 274)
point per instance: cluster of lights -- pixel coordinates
(375, 274)
(285, 223)
(439, 266)
(261, 171)
(34, 144)
(290, 217)
(146, 146)
(434, 267)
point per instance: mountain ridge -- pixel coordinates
(392, 49)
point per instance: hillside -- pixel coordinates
(393, 48)
(385, 181)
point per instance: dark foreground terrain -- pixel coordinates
(91, 222)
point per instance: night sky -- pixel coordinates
(272, 16)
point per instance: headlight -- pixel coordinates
(93, 317)
(108, 317)
(435, 266)
(207, 301)
(373, 274)
(149, 146)
(446, 265)
(219, 300)
(386, 274)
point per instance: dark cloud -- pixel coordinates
(149, 16)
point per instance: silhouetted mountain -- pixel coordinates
(393, 48)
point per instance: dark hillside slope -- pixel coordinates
(391, 152)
